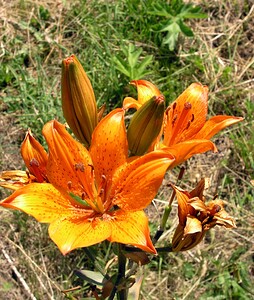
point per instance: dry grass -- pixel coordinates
(31, 267)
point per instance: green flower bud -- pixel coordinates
(145, 125)
(78, 100)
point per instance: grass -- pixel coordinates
(36, 36)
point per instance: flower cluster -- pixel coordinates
(96, 187)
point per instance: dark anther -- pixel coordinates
(83, 196)
(174, 119)
(69, 184)
(187, 105)
(80, 167)
(34, 162)
(174, 105)
(188, 124)
(192, 117)
(91, 166)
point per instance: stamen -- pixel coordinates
(174, 120)
(188, 125)
(83, 196)
(79, 166)
(180, 121)
(34, 163)
(187, 105)
(69, 184)
(35, 170)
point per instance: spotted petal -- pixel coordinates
(109, 147)
(42, 201)
(186, 116)
(136, 184)
(69, 161)
(184, 150)
(76, 231)
(216, 124)
(132, 228)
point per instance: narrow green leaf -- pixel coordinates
(185, 29)
(90, 276)
(140, 70)
(133, 55)
(121, 66)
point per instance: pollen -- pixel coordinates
(79, 167)
(34, 163)
(187, 105)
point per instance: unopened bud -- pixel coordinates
(146, 125)
(78, 100)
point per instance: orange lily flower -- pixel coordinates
(196, 217)
(146, 91)
(185, 131)
(94, 195)
(35, 158)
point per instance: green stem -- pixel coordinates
(122, 293)
(167, 210)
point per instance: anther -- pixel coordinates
(188, 125)
(69, 184)
(34, 163)
(187, 105)
(192, 118)
(174, 105)
(174, 119)
(80, 167)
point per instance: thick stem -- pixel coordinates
(121, 293)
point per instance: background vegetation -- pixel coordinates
(171, 44)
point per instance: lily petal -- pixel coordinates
(183, 206)
(109, 148)
(136, 184)
(184, 150)
(187, 115)
(34, 156)
(216, 124)
(40, 200)
(15, 179)
(193, 225)
(76, 231)
(69, 161)
(130, 102)
(132, 228)
(146, 90)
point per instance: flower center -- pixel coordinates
(180, 121)
(92, 195)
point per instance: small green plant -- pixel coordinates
(174, 15)
(130, 65)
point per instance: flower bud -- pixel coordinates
(35, 157)
(78, 100)
(146, 125)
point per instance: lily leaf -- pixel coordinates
(90, 276)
